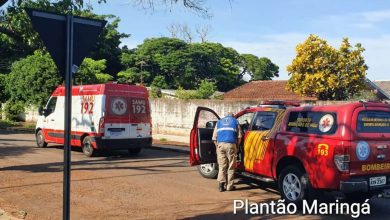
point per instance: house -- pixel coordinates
(381, 88)
(265, 90)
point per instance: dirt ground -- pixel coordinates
(157, 184)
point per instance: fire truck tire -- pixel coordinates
(40, 139)
(88, 149)
(209, 171)
(134, 151)
(294, 185)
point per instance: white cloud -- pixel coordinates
(376, 16)
(279, 48)
(348, 21)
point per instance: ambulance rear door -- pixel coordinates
(202, 148)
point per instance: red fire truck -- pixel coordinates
(305, 149)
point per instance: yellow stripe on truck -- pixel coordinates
(255, 147)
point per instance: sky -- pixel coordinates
(269, 28)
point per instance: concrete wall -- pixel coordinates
(173, 116)
(176, 117)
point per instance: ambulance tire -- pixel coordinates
(294, 185)
(134, 151)
(87, 147)
(40, 139)
(209, 171)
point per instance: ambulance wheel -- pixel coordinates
(134, 151)
(88, 149)
(294, 185)
(209, 170)
(40, 139)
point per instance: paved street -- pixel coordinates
(158, 184)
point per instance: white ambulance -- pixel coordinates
(104, 117)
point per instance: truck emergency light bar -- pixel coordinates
(279, 104)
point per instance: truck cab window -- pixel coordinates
(263, 121)
(245, 121)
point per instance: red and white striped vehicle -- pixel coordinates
(104, 116)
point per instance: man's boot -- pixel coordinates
(222, 186)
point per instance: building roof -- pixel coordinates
(265, 90)
(384, 86)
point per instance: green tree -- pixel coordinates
(159, 82)
(3, 92)
(325, 72)
(103, 78)
(259, 68)
(206, 89)
(91, 72)
(129, 76)
(216, 63)
(18, 39)
(33, 79)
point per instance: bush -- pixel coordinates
(159, 82)
(155, 92)
(13, 109)
(206, 89)
(187, 94)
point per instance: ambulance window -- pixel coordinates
(312, 122)
(51, 105)
(373, 122)
(263, 121)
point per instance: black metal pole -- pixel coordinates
(68, 116)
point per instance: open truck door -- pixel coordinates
(202, 148)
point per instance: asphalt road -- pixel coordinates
(157, 184)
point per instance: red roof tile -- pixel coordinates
(264, 90)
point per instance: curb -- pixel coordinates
(19, 130)
(170, 148)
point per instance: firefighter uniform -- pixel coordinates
(227, 134)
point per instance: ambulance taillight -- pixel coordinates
(101, 126)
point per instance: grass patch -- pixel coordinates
(163, 139)
(29, 125)
(6, 124)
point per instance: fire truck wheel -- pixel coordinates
(134, 151)
(88, 149)
(209, 171)
(294, 185)
(40, 139)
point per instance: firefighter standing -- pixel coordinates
(227, 137)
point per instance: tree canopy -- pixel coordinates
(259, 68)
(18, 39)
(33, 79)
(186, 64)
(325, 72)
